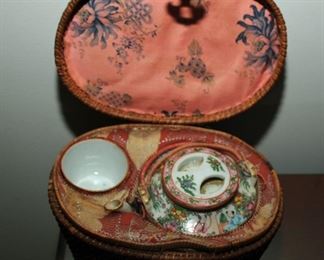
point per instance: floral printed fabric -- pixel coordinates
(147, 63)
(261, 36)
(194, 66)
(98, 21)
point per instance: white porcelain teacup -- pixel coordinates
(95, 165)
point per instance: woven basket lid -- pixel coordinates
(170, 61)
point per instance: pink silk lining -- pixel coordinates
(216, 74)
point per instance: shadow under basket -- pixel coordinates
(85, 247)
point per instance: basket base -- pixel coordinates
(84, 247)
(83, 251)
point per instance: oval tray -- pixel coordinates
(138, 59)
(86, 211)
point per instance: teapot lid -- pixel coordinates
(162, 61)
(200, 178)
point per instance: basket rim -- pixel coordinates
(62, 70)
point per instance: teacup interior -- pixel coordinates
(95, 165)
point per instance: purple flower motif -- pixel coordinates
(122, 53)
(98, 21)
(132, 44)
(128, 42)
(138, 12)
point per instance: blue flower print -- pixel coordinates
(138, 12)
(261, 36)
(98, 21)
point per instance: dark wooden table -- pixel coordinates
(301, 235)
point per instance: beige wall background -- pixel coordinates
(38, 117)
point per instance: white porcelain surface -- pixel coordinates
(95, 165)
(196, 164)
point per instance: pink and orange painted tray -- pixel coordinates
(142, 143)
(171, 61)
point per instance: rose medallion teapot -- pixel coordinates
(199, 189)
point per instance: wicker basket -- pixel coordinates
(83, 244)
(87, 242)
